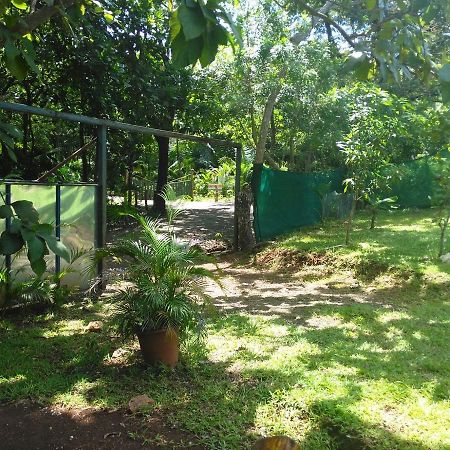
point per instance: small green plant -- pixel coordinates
(116, 213)
(35, 291)
(441, 199)
(166, 293)
(375, 204)
(173, 207)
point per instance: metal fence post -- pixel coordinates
(8, 225)
(58, 226)
(237, 189)
(102, 143)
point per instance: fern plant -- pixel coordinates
(166, 281)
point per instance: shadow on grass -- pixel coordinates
(270, 377)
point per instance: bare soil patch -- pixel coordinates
(27, 426)
(291, 259)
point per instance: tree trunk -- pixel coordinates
(350, 221)
(159, 204)
(273, 132)
(443, 226)
(297, 39)
(372, 221)
(291, 153)
(329, 33)
(265, 124)
(308, 160)
(25, 130)
(246, 237)
(272, 163)
(130, 185)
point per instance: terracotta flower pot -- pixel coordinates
(159, 346)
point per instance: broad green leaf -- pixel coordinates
(185, 52)
(444, 73)
(43, 229)
(444, 78)
(445, 91)
(211, 41)
(387, 30)
(11, 130)
(192, 22)
(29, 55)
(16, 226)
(11, 154)
(57, 247)
(19, 4)
(360, 65)
(36, 249)
(10, 243)
(228, 19)
(39, 267)
(7, 140)
(175, 26)
(27, 234)
(26, 211)
(371, 4)
(418, 5)
(14, 61)
(6, 212)
(209, 50)
(207, 13)
(221, 35)
(108, 16)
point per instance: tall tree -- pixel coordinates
(389, 40)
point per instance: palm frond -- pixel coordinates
(166, 281)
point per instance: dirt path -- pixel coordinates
(255, 289)
(197, 222)
(205, 220)
(28, 427)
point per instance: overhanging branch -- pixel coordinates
(313, 12)
(28, 23)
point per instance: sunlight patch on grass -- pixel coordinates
(390, 316)
(404, 243)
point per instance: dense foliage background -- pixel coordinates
(300, 82)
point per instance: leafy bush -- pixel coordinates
(27, 232)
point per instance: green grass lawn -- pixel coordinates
(368, 374)
(403, 241)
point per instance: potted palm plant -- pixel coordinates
(162, 302)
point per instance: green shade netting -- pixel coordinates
(286, 201)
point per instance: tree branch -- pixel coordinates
(268, 109)
(319, 14)
(30, 22)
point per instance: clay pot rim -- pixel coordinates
(139, 331)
